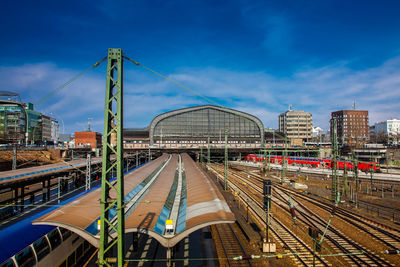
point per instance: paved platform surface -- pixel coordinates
(170, 187)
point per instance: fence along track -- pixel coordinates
(229, 245)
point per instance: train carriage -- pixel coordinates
(316, 162)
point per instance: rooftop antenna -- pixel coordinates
(89, 121)
(354, 104)
(290, 107)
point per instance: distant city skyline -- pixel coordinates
(252, 56)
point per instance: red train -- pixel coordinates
(315, 162)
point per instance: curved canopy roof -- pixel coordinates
(171, 187)
(206, 121)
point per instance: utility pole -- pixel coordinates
(149, 153)
(226, 162)
(161, 139)
(14, 163)
(355, 170)
(88, 171)
(89, 124)
(344, 186)
(269, 161)
(335, 185)
(268, 246)
(371, 170)
(208, 153)
(283, 176)
(265, 158)
(201, 154)
(113, 123)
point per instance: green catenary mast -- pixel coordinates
(113, 124)
(335, 184)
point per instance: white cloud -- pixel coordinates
(317, 90)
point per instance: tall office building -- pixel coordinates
(352, 126)
(46, 128)
(296, 124)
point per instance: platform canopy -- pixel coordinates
(167, 199)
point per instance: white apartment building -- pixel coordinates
(389, 127)
(296, 124)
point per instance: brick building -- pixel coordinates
(352, 126)
(86, 139)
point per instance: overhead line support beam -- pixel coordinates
(113, 124)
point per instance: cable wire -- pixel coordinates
(175, 82)
(69, 82)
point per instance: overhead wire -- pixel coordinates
(53, 92)
(187, 88)
(175, 82)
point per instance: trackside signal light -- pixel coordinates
(267, 187)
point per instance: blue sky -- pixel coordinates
(254, 56)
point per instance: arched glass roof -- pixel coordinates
(206, 121)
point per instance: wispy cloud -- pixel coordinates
(316, 90)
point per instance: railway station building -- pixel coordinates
(192, 127)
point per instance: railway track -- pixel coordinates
(231, 251)
(355, 254)
(300, 252)
(385, 235)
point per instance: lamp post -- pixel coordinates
(372, 183)
(59, 191)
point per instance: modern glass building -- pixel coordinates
(194, 125)
(12, 122)
(34, 125)
(19, 123)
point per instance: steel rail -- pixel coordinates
(257, 210)
(354, 218)
(223, 246)
(310, 216)
(307, 221)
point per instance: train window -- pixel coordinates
(42, 248)
(65, 233)
(63, 264)
(9, 263)
(55, 238)
(25, 258)
(79, 251)
(71, 260)
(85, 245)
